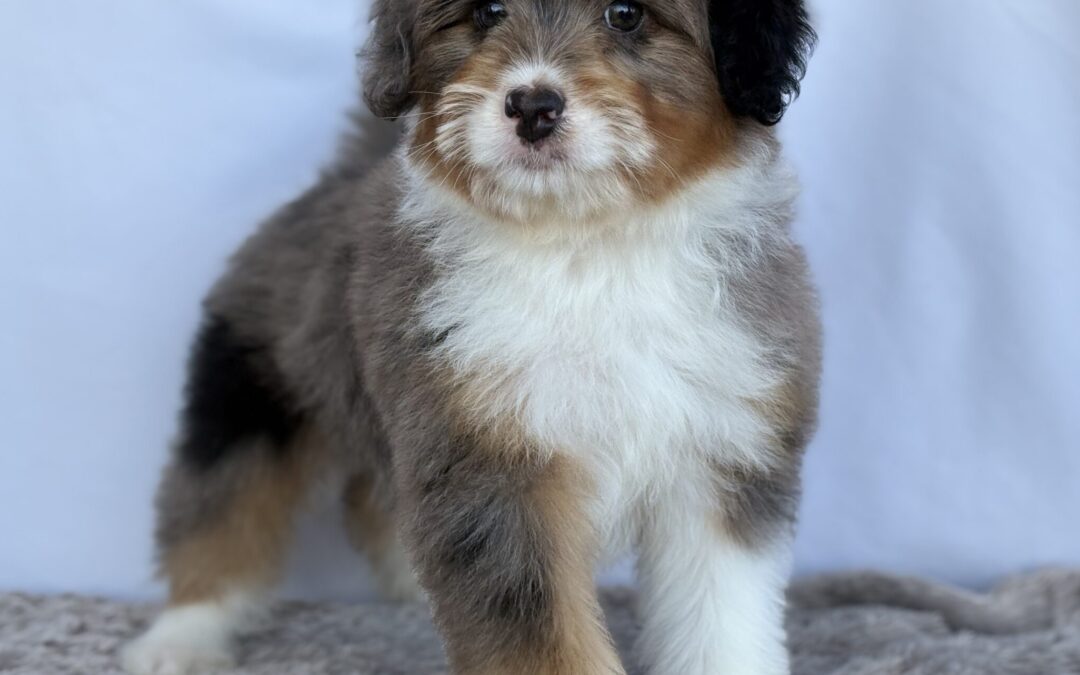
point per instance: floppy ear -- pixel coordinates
(761, 48)
(387, 58)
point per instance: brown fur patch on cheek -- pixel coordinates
(689, 143)
(439, 111)
(687, 140)
(424, 151)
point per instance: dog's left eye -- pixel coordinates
(624, 15)
(490, 14)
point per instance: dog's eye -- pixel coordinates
(624, 15)
(489, 14)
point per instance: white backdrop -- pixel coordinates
(940, 148)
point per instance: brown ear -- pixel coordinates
(387, 58)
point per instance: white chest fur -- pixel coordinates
(620, 348)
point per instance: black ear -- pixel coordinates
(387, 58)
(761, 49)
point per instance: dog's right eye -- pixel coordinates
(490, 14)
(624, 16)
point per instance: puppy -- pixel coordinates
(563, 320)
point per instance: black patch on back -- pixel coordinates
(232, 395)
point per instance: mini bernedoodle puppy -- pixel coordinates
(563, 320)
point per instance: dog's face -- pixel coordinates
(574, 108)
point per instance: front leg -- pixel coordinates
(713, 568)
(506, 554)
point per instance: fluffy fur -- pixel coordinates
(526, 356)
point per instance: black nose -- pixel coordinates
(537, 111)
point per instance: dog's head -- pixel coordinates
(574, 107)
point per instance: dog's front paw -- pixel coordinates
(147, 657)
(188, 641)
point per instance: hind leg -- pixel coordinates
(372, 530)
(225, 509)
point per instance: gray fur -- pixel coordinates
(388, 56)
(776, 298)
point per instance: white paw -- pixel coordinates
(188, 640)
(147, 656)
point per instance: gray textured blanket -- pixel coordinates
(865, 624)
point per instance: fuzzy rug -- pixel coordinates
(864, 624)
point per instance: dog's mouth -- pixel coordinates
(547, 154)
